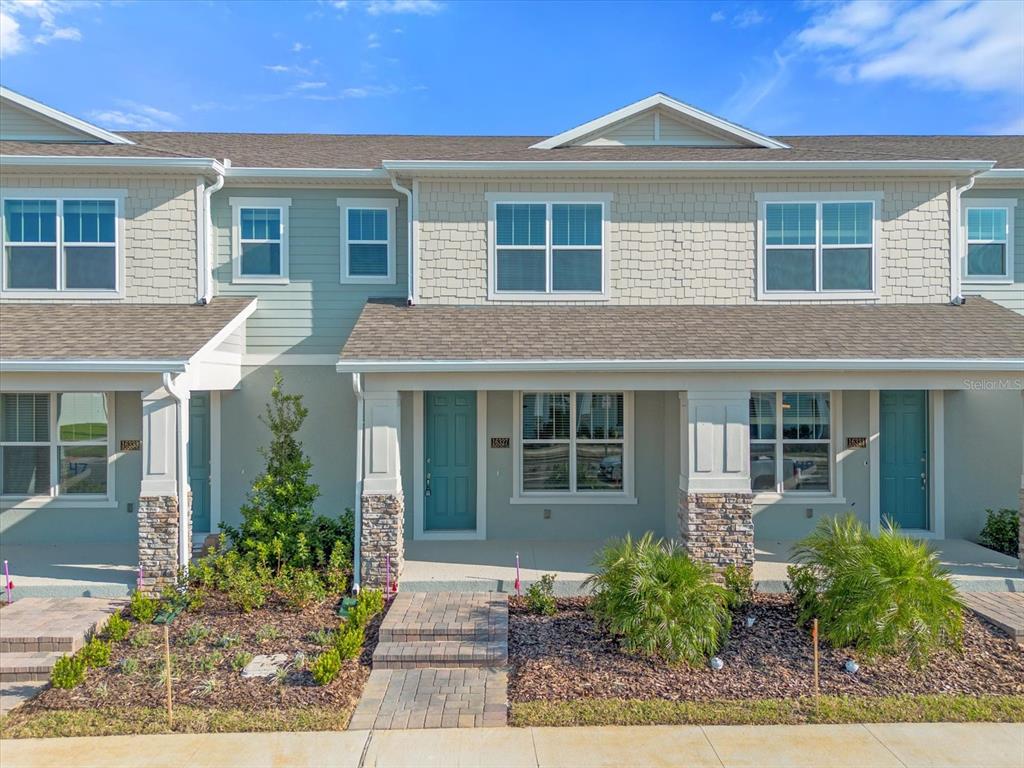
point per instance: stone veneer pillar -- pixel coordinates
(382, 535)
(158, 542)
(718, 528)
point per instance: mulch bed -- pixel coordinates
(565, 657)
(215, 684)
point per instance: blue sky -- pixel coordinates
(442, 66)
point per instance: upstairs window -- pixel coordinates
(368, 240)
(60, 245)
(989, 239)
(551, 249)
(818, 247)
(260, 230)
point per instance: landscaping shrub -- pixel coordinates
(1001, 531)
(142, 637)
(373, 599)
(339, 565)
(325, 667)
(95, 653)
(267, 633)
(739, 580)
(240, 660)
(881, 594)
(349, 642)
(117, 628)
(540, 596)
(194, 634)
(68, 672)
(658, 600)
(301, 588)
(143, 608)
(245, 585)
(129, 665)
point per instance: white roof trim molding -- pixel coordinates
(685, 111)
(62, 117)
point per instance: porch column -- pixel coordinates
(164, 444)
(716, 522)
(382, 533)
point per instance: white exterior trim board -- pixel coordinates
(63, 118)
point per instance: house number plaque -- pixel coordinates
(856, 442)
(501, 442)
(131, 445)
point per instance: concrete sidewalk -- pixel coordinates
(993, 745)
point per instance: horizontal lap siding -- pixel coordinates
(689, 242)
(1010, 295)
(314, 313)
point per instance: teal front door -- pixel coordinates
(199, 460)
(903, 454)
(449, 461)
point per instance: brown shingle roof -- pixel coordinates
(54, 331)
(390, 331)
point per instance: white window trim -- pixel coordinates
(61, 195)
(282, 204)
(53, 498)
(820, 294)
(519, 496)
(1010, 205)
(835, 428)
(547, 199)
(388, 204)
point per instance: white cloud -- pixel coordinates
(418, 7)
(299, 47)
(340, 5)
(373, 40)
(366, 91)
(135, 116)
(308, 86)
(37, 21)
(11, 40)
(974, 46)
(753, 91)
(748, 17)
(1012, 127)
(717, 16)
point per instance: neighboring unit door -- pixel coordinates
(449, 461)
(199, 460)
(903, 453)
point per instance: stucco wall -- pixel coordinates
(160, 230)
(689, 242)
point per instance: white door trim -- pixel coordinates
(480, 533)
(215, 460)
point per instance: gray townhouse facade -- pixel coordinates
(658, 320)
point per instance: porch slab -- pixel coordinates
(72, 569)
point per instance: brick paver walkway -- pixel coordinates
(439, 663)
(1004, 609)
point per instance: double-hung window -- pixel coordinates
(988, 230)
(260, 234)
(55, 444)
(61, 245)
(818, 247)
(573, 443)
(548, 249)
(791, 442)
(368, 240)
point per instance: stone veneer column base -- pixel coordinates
(382, 534)
(718, 527)
(158, 542)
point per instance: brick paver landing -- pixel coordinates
(439, 663)
(1004, 609)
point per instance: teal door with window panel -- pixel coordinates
(449, 461)
(199, 460)
(903, 455)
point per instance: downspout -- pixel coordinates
(411, 270)
(357, 389)
(955, 193)
(181, 481)
(208, 244)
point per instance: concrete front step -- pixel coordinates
(26, 667)
(47, 625)
(472, 616)
(440, 653)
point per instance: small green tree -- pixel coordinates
(279, 510)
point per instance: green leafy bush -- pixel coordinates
(339, 564)
(1001, 531)
(95, 653)
(540, 596)
(68, 672)
(659, 601)
(349, 641)
(229, 640)
(881, 594)
(195, 633)
(117, 628)
(245, 585)
(143, 608)
(301, 588)
(266, 633)
(325, 667)
(373, 599)
(208, 661)
(142, 637)
(129, 666)
(322, 637)
(739, 580)
(240, 660)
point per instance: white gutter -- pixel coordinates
(766, 364)
(411, 271)
(357, 389)
(92, 366)
(1003, 173)
(209, 246)
(955, 267)
(201, 164)
(184, 532)
(774, 166)
(235, 172)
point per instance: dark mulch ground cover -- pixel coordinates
(203, 674)
(565, 657)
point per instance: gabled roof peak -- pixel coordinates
(62, 118)
(661, 102)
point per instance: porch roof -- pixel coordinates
(62, 336)
(390, 336)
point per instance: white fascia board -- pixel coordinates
(234, 172)
(92, 366)
(62, 117)
(868, 364)
(661, 100)
(714, 166)
(218, 338)
(1003, 173)
(190, 164)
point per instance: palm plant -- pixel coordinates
(659, 601)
